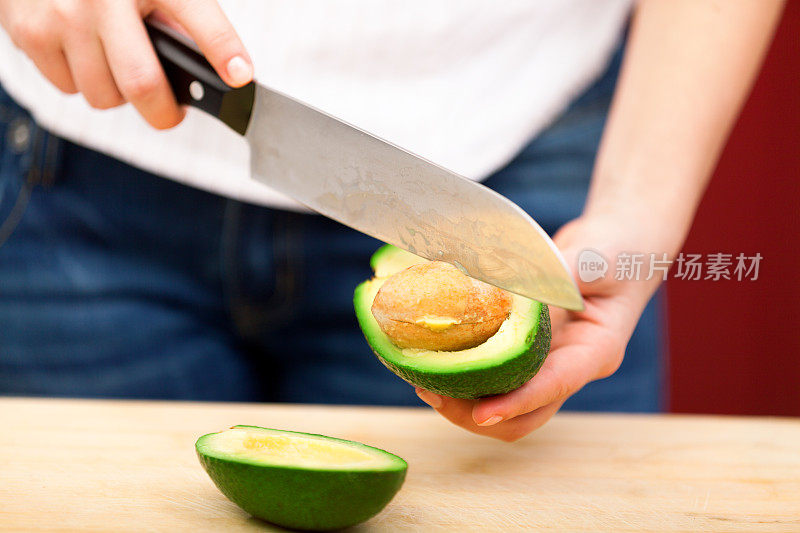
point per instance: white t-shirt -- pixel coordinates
(463, 83)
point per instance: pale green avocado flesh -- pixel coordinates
(509, 358)
(299, 480)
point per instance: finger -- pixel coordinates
(54, 66)
(43, 46)
(135, 68)
(92, 75)
(159, 16)
(206, 23)
(459, 412)
(564, 372)
(456, 410)
(516, 428)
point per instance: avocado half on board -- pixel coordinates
(500, 363)
(300, 480)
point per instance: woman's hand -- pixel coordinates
(586, 345)
(100, 48)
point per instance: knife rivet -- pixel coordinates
(196, 91)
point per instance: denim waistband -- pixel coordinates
(35, 150)
(29, 158)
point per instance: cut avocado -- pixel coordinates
(504, 362)
(300, 480)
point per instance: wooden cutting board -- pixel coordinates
(68, 465)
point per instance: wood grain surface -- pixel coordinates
(83, 465)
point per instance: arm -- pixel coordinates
(100, 48)
(689, 66)
(688, 69)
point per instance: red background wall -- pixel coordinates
(735, 345)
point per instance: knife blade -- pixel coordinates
(371, 185)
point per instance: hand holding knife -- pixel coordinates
(372, 185)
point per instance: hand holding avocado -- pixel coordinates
(586, 346)
(525, 386)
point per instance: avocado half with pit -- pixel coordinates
(299, 480)
(502, 363)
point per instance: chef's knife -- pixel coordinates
(372, 185)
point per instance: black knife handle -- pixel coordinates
(195, 82)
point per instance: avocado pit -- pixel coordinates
(434, 306)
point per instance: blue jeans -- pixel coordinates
(118, 283)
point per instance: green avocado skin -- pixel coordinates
(488, 381)
(304, 499)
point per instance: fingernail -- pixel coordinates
(492, 420)
(434, 400)
(240, 71)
